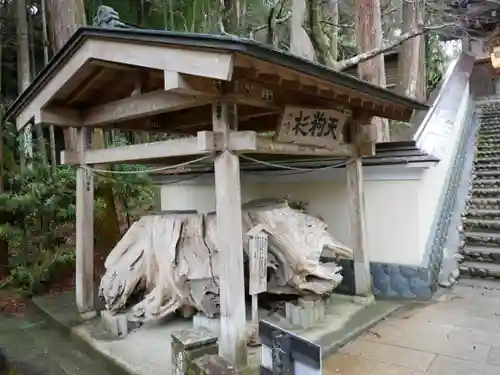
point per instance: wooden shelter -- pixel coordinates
(221, 93)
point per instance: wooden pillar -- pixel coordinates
(84, 228)
(233, 340)
(364, 135)
(357, 215)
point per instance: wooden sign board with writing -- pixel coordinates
(312, 127)
(285, 353)
(257, 249)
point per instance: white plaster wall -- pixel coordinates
(434, 178)
(391, 206)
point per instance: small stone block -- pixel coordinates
(189, 344)
(362, 300)
(295, 318)
(321, 311)
(288, 311)
(88, 315)
(214, 365)
(306, 317)
(116, 324)
(204, 322)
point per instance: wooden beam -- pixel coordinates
(59, 117)
(357, 216)
(191, 85)
(72, 66)
(84, 275)
(232, 342)
(202, 144)
(196, 61)
(139, 106)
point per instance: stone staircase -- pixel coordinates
(480, 245)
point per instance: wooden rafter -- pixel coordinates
(139, 106)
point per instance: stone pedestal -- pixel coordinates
(213, 364)
(116, 324)
(305, 312)
(190, 344)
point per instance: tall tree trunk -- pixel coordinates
(368, 37)
(4, 245)
(23, 68)
(42, 149)
(65, 18)
(411, 66)
(300, 43)
(52, 137)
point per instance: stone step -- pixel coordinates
(488, 153)
(480, 161)
(488, 137)
(478, 238)
(480, 269)
(487, 146)
(485, 192)
(483, 214)
(481, 225)
(488, 131)
(479, 203)
(487, 167)
(487, 175)
(481, 183)
(485, 183)
(481, 254)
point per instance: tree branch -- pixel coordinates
(262, 27)
(345, 64)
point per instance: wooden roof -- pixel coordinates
(91, 82)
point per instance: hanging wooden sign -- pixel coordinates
(314, 127)
(257, 252)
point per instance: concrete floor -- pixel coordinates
(457, 335)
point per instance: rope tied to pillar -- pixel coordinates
(152, 170)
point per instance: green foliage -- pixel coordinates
(434, 60)
(37, 211)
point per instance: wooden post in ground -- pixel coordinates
(362, 276)
(364, 135)
(84, 228)
(233, 340)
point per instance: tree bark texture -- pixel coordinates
(65, 18)
(23, 68)
(411, 65)
(369, 37)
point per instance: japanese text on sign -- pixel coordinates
(318, 127)
(257, 248)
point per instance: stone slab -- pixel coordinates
(457, 335)
(147, 350)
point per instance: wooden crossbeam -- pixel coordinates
(205, 142)
(59, 117)
(202, 144)
(251, 142)
(135, 107)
